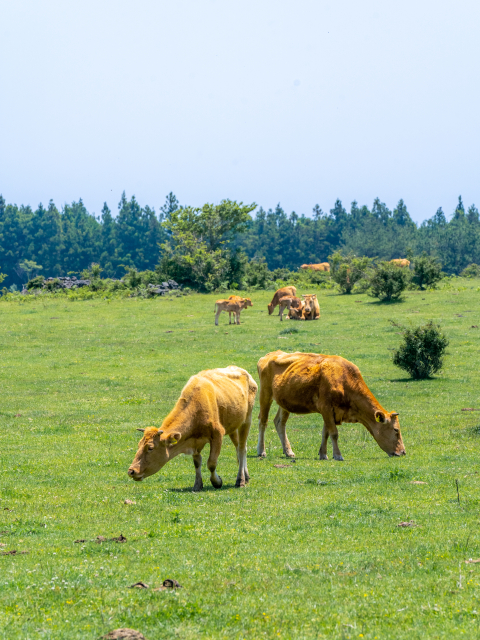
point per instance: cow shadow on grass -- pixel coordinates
(206, 487)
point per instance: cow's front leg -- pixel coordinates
(280, 422)
(197, 461)
(230, 318)
(323, 447)
(330, 429)
(215, 448)
(238, 317)
(217, 316)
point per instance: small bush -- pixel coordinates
(389, 281)
(346, 271)
(427, 272)
(35, 283)
(472, 271)
(422, 351)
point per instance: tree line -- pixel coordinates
(218, 244)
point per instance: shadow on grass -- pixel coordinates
(416, 380)
(206, 487)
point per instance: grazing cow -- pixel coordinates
(294, 306)
(316, 383)
(400, 262)
(280, 293)
(213, 403)
(234, 306)
(322, 266)
(311, 309)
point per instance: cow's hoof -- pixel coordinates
(263, 454)
(198, 487)
(240, 483)
(290, 454)
(217, 484)
(338, 458)
(323, 456)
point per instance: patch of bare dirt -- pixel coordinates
(124, 634)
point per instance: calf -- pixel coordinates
(294, 306)
(213, 403)
(280, 293)
(233, 305)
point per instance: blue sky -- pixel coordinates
(268, 101)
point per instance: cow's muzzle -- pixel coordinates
(397, 455)
(135, 475)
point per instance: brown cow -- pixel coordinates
(294, 306)
(322, 266)
(280, 293)
(311, 309)
(316, 383)
(213, 403)
(400, 262)
(233, 305)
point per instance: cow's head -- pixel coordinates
(155, 449)
(309, 302)
(296, 310)
(386, 431)
(270, 308)
(246, 302)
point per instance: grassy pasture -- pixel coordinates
(309, 550)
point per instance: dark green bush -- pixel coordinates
(35, 283)
(472, 271)
(427, 271)
(389, 281)
(422, 351)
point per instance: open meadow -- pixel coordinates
(309, 549)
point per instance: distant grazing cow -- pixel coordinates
(330, 385)
(213, 403)
(311, 309)
(294, 306)
(322, 266)
(400, 262)
(280, 293)
(234, 306)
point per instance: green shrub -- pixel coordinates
(347, 270)
(257, 274)
(472, 271)
(35, 283)
(422, 351)
(427, 271)
(389, 281)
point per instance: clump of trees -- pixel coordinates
(231, 244)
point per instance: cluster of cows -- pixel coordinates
(304, 308)
(219, 402)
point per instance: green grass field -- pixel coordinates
(309, 550)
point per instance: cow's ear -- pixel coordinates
(379, 416)
(173, 438)
(314, 295)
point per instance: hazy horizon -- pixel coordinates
(257, 102)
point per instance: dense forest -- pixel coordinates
(57, 242)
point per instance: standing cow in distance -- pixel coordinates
(234, 305)
(281, 293)
(311, 308)
(330, 385)
(400, 262)
(322, 266)
(213, 403)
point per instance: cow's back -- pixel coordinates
(227, 395)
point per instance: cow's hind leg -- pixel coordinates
(197, 461)
(215, 448)
(280, 422)
(243, 476)
(266, 398)
(323, 447)
(219, 311)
